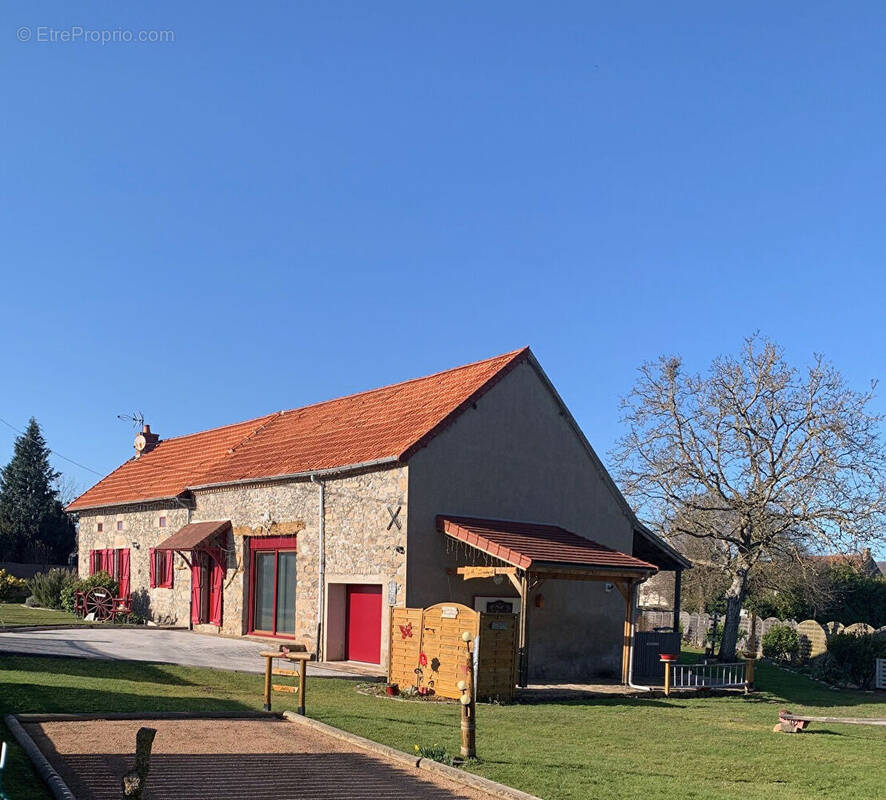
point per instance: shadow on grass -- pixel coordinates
(140, 671)
(796, 689)
(47, 699)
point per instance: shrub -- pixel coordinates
(75, 584)
(781, 643)
(855, 655)
(46, 587)
(825, 668)
(12, 589)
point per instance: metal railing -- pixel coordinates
(709, 676)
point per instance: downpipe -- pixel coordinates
(321, 562)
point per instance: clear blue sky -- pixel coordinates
(294, 201)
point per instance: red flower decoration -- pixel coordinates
(422, 659)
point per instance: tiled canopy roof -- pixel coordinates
(527, 544)
(192, 535)
(384, 424)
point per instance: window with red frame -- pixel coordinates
(161, 568)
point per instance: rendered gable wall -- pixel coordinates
(517, 457)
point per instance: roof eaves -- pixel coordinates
(658, 541)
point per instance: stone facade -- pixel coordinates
(360, 547)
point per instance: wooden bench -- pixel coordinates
(797, 723)
(285, 653)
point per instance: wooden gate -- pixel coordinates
(428, 652)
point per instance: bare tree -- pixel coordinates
(765, 461)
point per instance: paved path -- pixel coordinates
(147, 644)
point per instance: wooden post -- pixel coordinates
(524, 631)
(302, 684)
(134, 781)
(269, 661)
(468, 707)
(667, 688)
(749, 671)
(626, 589)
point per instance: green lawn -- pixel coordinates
(15, 615)
(715, 747)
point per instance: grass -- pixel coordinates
(698, 747)
(15, 615)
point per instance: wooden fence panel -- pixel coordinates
(427, 650)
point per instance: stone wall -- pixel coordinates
(141, 531)
(360, 547)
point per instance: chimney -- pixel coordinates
(145, 441)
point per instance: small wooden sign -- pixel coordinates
(448, 612)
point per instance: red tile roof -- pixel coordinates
(389, 423)
(192, 535)
(526, 544)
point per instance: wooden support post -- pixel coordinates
(523, 642)
(269, 668)
(678, 580)
(302, 685)
(667, 687)
(627, 591)
(134, 781)
(468, 706)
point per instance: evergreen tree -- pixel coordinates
(33, 524)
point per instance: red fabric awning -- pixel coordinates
(193, 535)
(528, 544)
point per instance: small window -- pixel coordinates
(119, 524)
(162, 522)
(99, 527)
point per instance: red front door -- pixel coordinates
(364, 623)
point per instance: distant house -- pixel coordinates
(862, 562)
(310, 525)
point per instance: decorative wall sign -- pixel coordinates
(448, 612)
(395, 513)
(497, 605)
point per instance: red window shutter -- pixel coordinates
(152, 567)
(123, 579)
(168, 564)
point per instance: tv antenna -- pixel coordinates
(136, 419)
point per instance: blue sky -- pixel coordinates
(294, 201)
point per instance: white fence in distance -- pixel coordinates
(880, 679)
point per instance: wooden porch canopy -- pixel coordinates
(194, 536)
(532, 553)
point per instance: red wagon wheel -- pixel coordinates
(100, 602)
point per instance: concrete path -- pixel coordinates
(147, 644)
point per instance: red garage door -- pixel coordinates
(364, 623)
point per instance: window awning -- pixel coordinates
(193, 535)
(536, 548)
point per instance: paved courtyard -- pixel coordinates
(147, 644)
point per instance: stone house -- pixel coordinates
(474, 485)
